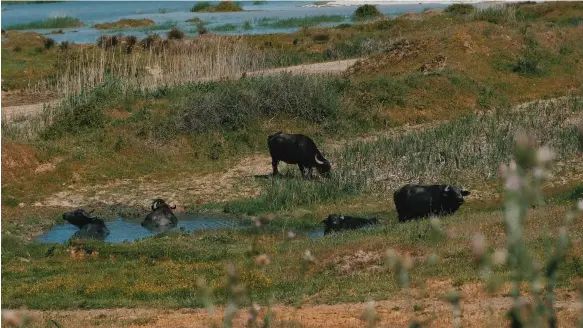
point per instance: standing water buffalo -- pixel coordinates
(161, 215)
(335, 222)
(297, 149)
(416, 201)
(89, 227)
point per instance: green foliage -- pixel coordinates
(299, 21)
(175, 34)
(224, 27)
(51, 22)
(459, 9)
(366, 11)
(201, 6)
(64, 45)
(259, 2)
(496, 14)
(531, 59)
(49, 43)
(83, 113)
(223, 6)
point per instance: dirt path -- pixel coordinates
(21, 112)
(430, 311)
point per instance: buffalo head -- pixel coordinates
(454, 195)
(78, 217)
(160, 203)
(322, 165)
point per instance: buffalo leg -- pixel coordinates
(274, 164)
(303, 170)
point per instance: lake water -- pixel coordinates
(122, 230)
(93, 12)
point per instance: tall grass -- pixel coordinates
(464, 150)
(170, 64)
(496, 14)
(51, 22)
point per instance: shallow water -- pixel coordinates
(122, 230)
(93, 12)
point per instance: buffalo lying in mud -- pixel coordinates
(161, 216)
(297, 149)
(89, 227)
(335, 222)
(417, 201)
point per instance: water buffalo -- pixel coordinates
(78, 217)
(89, 227)
(297, 149)
(335, 222)
(161, 215)
(417, 201)
(94, 230)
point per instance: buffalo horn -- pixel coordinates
(317, 161)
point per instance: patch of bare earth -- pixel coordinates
(478, 309)
(239, 182)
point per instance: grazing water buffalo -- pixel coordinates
(416, 201)
(297, 149)
(89, 227)
(335, 222)
(161, 215)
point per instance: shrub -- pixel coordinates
(366, 11)
(108, 41)
(344, 25)
(237, 105)
(39, 50)
(459, 9)
(17, 49)
(130, 42)
(530, 61)
(227, 6)
(201, 6)
(175, 34)
(149, 41)
(320, 38)
(49, 43)
(201, 28)
(64, 45)
(83, 112)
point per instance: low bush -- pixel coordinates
(366, 11)
(49, 43)
(175, 34)
(459, 9)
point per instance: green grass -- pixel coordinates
(224, 27)
(167, 25)
(299, 21)
(53, 22)
(162, 271)
(466, 151)
(125, 24)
